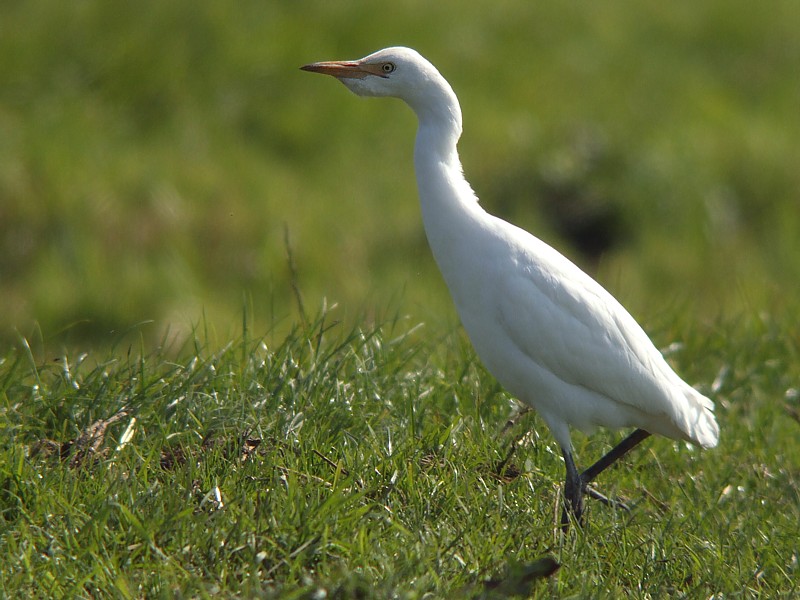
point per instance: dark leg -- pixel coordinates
(576, 484)
(573, 492)
(613, 455)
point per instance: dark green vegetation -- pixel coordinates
(152, 157)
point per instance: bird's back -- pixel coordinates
(559, 341)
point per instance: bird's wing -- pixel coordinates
(567, 323)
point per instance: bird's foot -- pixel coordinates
(573, 503)
(573, 509)
(612, 502)
(577, 484)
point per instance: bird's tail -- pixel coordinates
(699, 422)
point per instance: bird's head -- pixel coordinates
(399, 73)
(393, 72)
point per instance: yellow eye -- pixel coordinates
(387, 68)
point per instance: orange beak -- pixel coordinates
(345, 69)
(339, 69)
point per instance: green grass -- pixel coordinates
(371, 463)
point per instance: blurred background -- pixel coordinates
(158, 159)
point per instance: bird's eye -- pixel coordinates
(387, 68)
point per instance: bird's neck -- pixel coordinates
(450, 209)
(439, 116)
(436, 159)
(440, 178)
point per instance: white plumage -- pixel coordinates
(550, 334)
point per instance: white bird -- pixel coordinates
(549, 333)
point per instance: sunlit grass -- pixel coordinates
(372, 462)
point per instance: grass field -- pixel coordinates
(373, 463)
(165, 169)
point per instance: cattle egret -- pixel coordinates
(550, 334)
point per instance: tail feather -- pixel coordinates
(700, 424)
